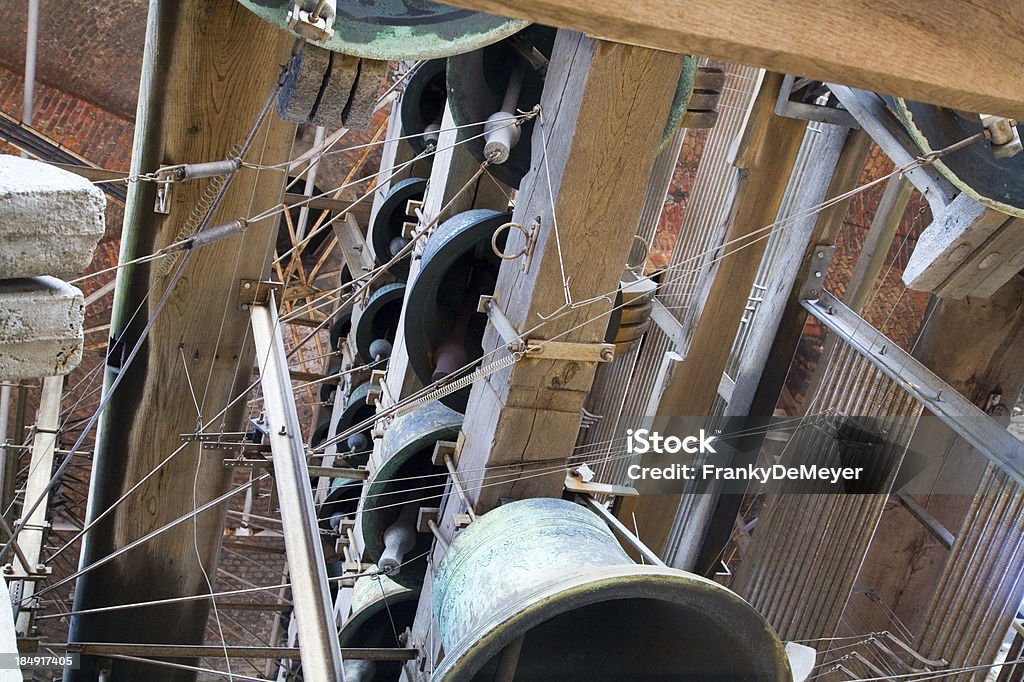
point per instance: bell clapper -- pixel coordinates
(359, 671)
(399, 538)
(502, 131)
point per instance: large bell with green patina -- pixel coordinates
(541, 590)
(381, 612)
(398, 29)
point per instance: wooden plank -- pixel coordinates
(604, 107)
(765, 159)
(770, 354)
(932, 50)
(209, 67)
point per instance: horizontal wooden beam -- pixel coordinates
(950, 52)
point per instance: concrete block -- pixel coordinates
(50, 219)
(41, 331)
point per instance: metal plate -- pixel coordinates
(401, 29)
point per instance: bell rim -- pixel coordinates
(592, 586)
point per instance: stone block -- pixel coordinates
(41, 327)
(50, 219)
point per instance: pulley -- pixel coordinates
(443, 330)
(631, 316)
(493, 84)
(341, 501)
(406, 482)
(356, 448)
(380, 609)
(392, 30)
(980, 170)
(326, 88)
(422, 105)
(540, 589)
(377, 323)
(388, 231)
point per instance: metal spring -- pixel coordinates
(199, 211)
(463, 382)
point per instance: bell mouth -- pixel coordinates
(623, 623)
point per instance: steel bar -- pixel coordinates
(33, 520)
(216, 650)
(956, 411)
(622, 531)
(321, 653)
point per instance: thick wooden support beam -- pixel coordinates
(604, 109)
(766, 156)
(940, 51)
(770, 353)
(209, 67)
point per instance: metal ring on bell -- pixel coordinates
(379, 319)
(443, 330)
(406, 481)
(386, 230)
(540, 589)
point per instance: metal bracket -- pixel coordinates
(540, 349)
(811, 100)
(529, 234)
(257, 292)
(581, 481)
(309, 25)
(944, 401)
(813, 283)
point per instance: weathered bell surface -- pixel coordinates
(406, 481)
(541, 590)
(997, 183)
(400, 29)
(388, 222)
(379, 320)
(380, 609)
(341, 501)
(422, 105)
(478, 83)
(358, 409)
(458, 266)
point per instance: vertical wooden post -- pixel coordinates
(766, 156)
(604, 107)
(209, 67)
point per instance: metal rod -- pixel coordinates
(622, 531)
(936, 528)
(457, 484)
(216, 650)
(321, 652)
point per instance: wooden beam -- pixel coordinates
(765, 160)
(940, 51)
(770, 352)
(199, 97)
(604, 109)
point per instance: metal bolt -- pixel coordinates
(817, 274)
(820, 254)
(607, 354)
(283, 431)
(247, 285)
(814, 292)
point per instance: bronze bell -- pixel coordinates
(422, 105)
(380, 609)
(387, 233)
(443, 330)
(377, 323)
(540, 589)
(406, 481)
